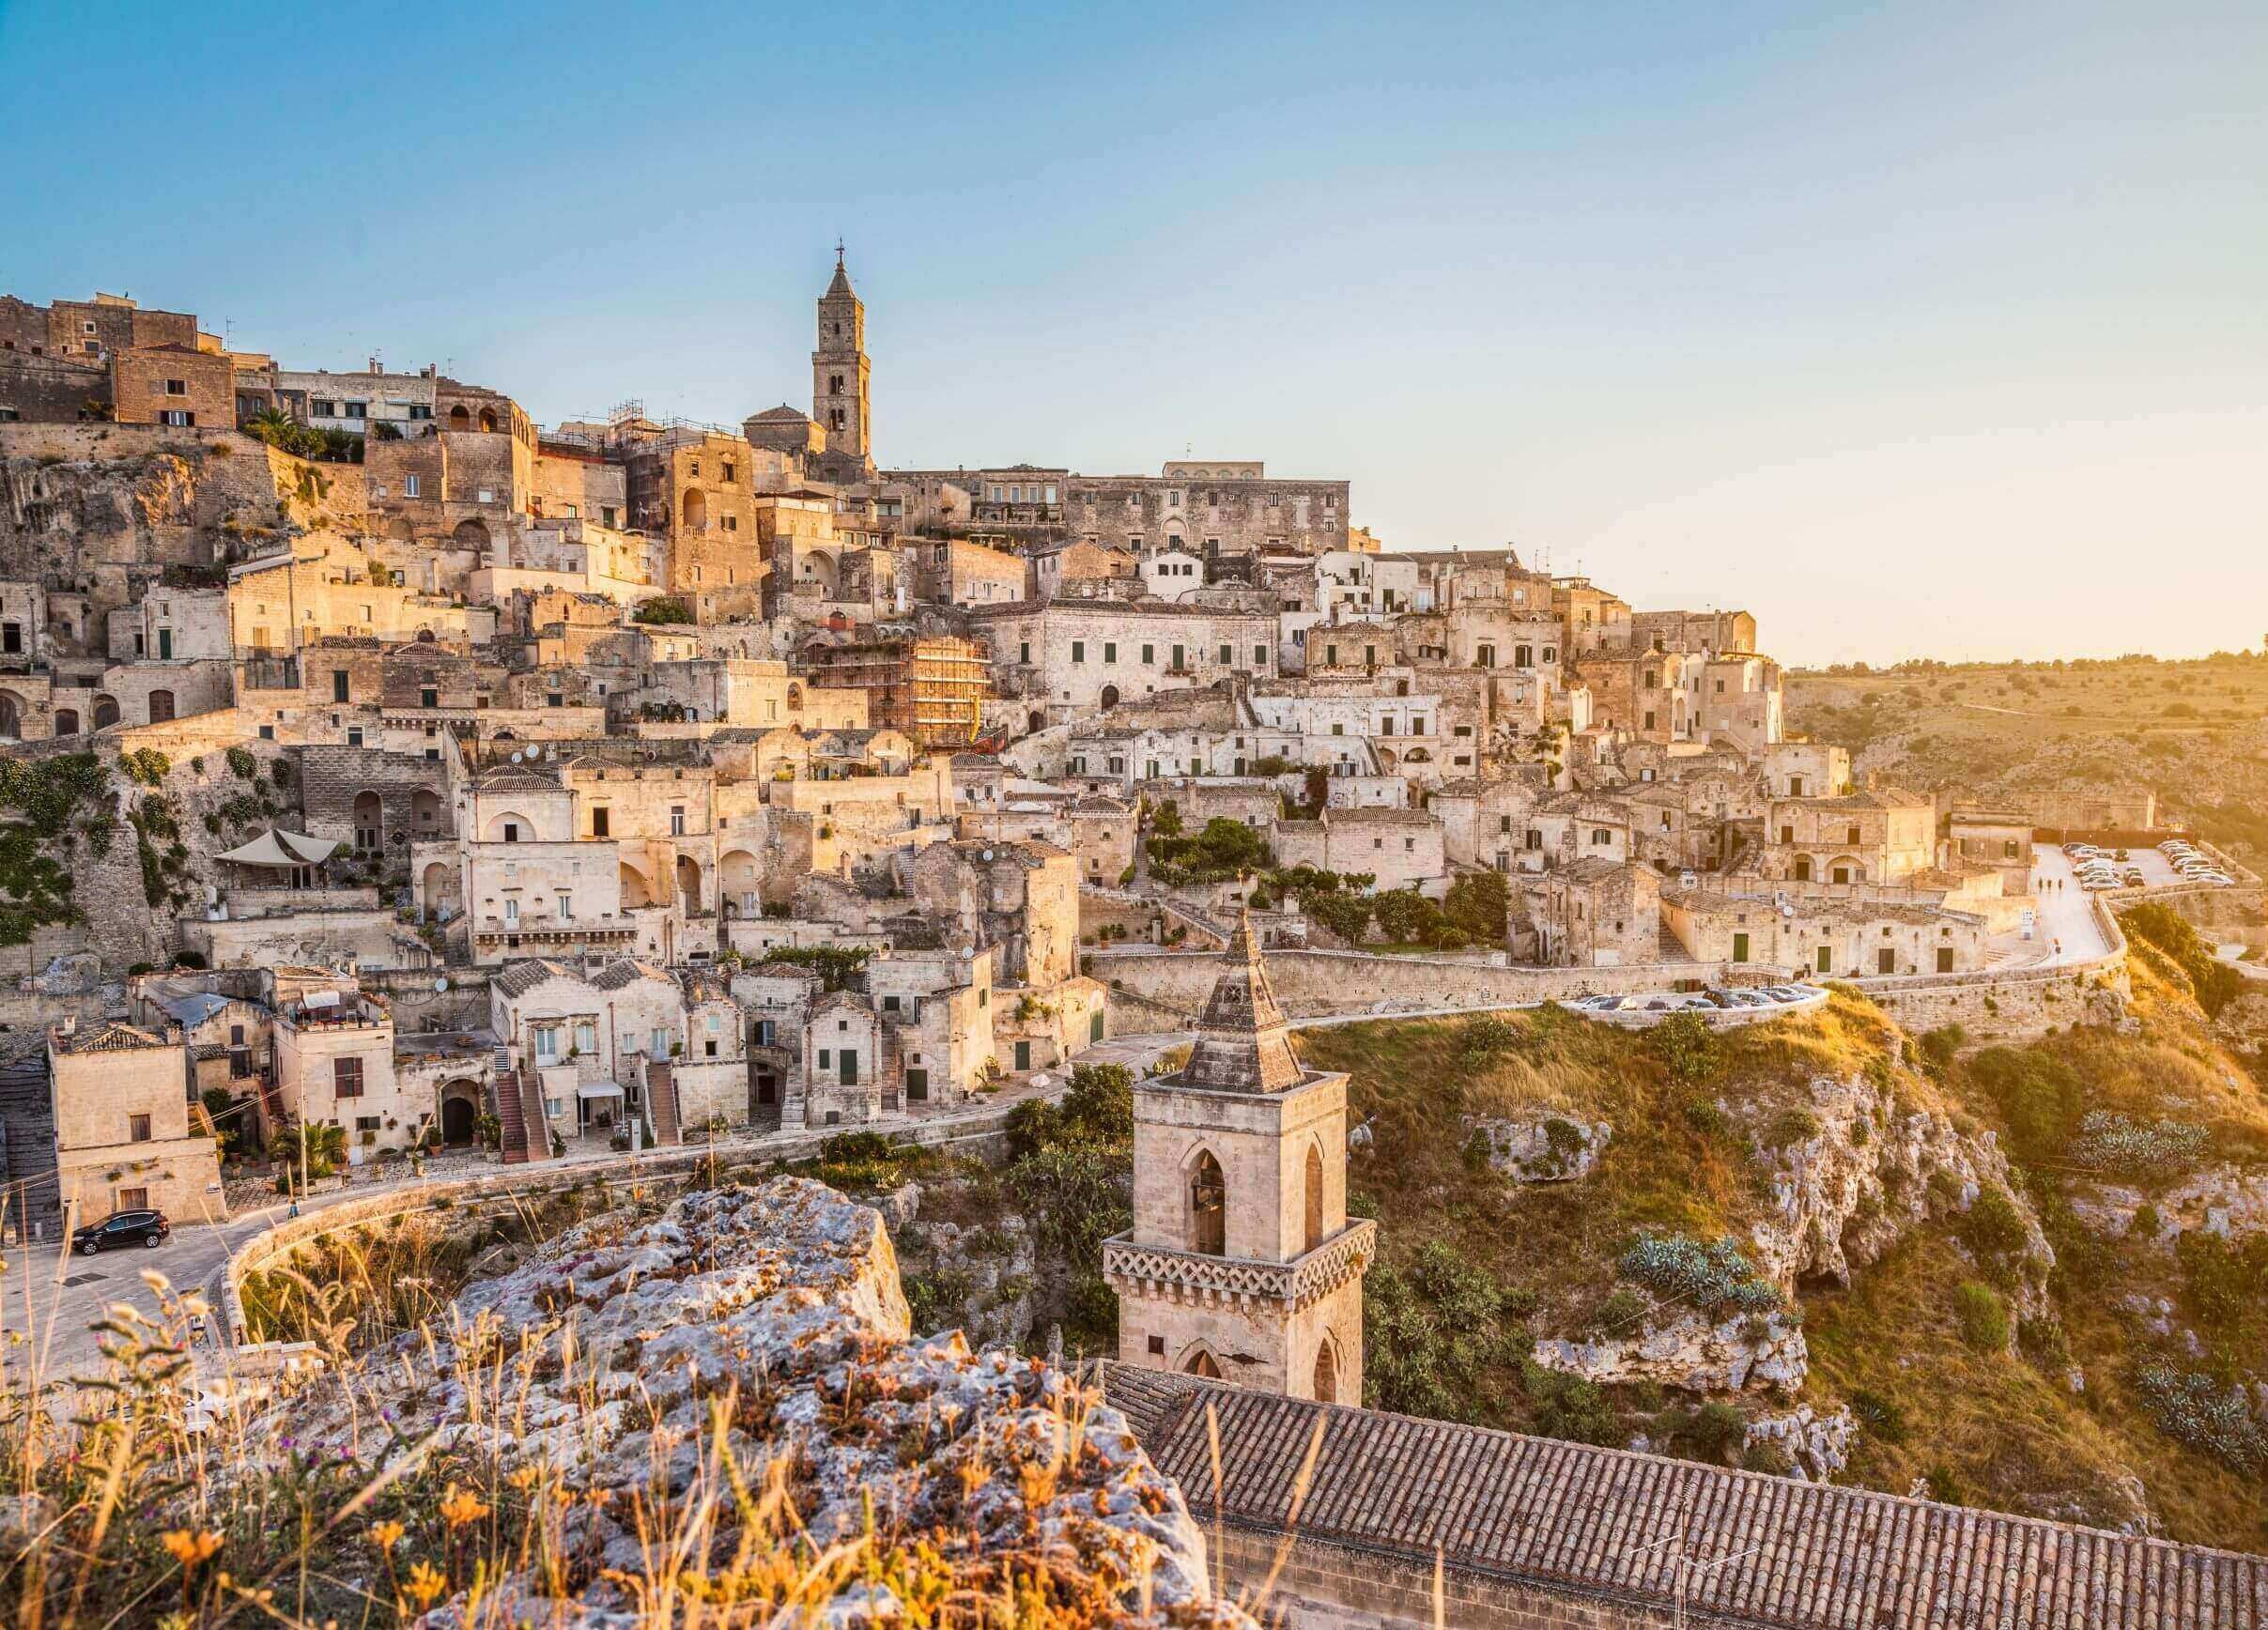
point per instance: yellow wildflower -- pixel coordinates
(386, 1535)
(189, 1549)
(461, 1506)
(425, 1583)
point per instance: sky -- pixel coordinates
(1916, 329)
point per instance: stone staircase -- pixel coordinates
(519, 1110)
(1197, 922)
(661, 1105)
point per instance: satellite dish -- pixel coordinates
(441, 983)
(515, 758)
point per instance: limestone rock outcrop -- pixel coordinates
(1814, 1446)
(1542, 1149)
(766, 1327)
(1871, 1170)
(1694, 1353)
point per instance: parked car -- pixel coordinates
(145, 1227)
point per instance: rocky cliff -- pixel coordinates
(722, 1403)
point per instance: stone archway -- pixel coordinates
(161, 706)
(1035, 722)
(1326, 1373)
(1109, 698)
(437, 886)
(106, 712)
(1201, 1363)
(1208, 1207)
(488, 418)
(471, 534)
(460, 1113)
(737, 881)
(11, 716)
(636, 894)
(693, 511)
(460, 417)
(66, 721)
(369, 821)
(688, 883)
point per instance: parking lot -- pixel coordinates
(2157, 871)
(1740, 1004)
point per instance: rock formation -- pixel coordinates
(766, 1327)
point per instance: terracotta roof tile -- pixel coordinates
(1593, 1520)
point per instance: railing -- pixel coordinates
(1176, 1275)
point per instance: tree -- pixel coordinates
(1476, 906)
(663, 608)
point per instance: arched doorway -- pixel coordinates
(487, 419)
(1326, 1373)
(369, 821)
(1110, 696)
(1200, 1363)
(11, 716)
(471, 534)
(636, 896)
(106, 712)
(693, 511)
(1803, 869)
(688, 883)
(426, 811)
(1313, 1185)
(737, 883)
(161, 706)
(436, 888)
(66, 721)
(1208, 1207)
(460, 1113)
(1035, 722)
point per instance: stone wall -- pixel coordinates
(1310, 983)
(1332, 1587)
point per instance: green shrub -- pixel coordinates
(1687, 1047)
(1981, 1316)
(1569, 1407)
(1791, 1125)
(1992, 1227)
(1880, 1416)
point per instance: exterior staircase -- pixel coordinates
(1197, 922)
(661, 1105)
(519, 1110)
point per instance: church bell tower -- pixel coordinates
(1241, 1262)
(838, 380)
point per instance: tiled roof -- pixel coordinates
(112, 1037)
(1593, 1522)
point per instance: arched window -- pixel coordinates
(1315, 1198)
(1200, 1363)
(11, 717)
(460, 417)
(1207, 1208)
(487, 419)
(161, 706)
(1326, 1373)
(369, 821)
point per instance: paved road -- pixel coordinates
(2067, 930)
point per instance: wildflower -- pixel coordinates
(425, 1583)
(523, 1478)
(386, 1535)
(189, 1549)
(461, 1506)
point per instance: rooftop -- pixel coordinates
(109, 1037)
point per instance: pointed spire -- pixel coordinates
(843, 279)
(1243, 1044)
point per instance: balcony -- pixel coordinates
(1190, 1276)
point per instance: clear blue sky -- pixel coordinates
(1921, 329)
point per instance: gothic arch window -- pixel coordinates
(1208, 1207)
(1200, 1362)
(1313, 1185)
(1326, 1373)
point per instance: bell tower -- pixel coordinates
(838, 380)
(1241, 1262)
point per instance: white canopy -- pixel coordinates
(275, 847)
(596, 1089)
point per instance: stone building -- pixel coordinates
(1072, 655)
(1880, 835)
(841, 404)
(1600, 914)
(1209, 509)
(954, 572)
(1243, 1264)
(1851, 937)
(932, 687)
(587, 1031)
(1397, 848)
(1999, 839)
(335, 1067)
(123, 1139)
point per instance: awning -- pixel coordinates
(275, 847)
(594, 1089)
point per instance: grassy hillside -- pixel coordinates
(1473, 1267)
(2192, 731)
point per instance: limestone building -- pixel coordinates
(1242, 1263)
(840, 405)
(123, 1138)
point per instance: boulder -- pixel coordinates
(775, 1316)
(1815, 1446)
(1693, 1354)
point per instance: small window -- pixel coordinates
(346, 1077)
(137, 1128)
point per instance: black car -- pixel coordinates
(148, 1228)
